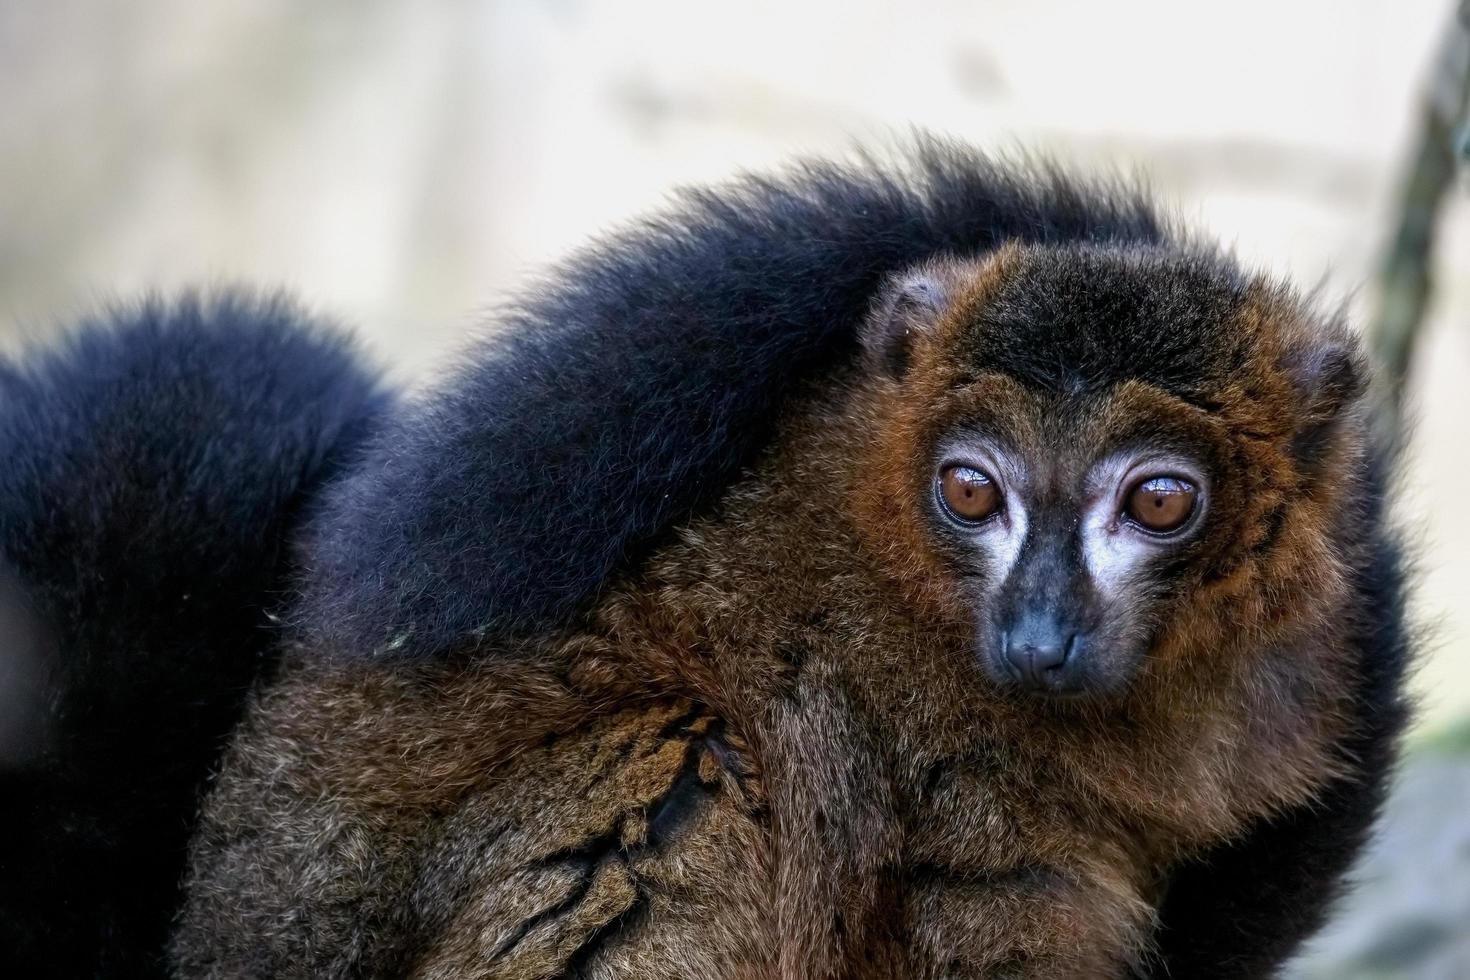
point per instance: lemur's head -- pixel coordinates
(1106, 458)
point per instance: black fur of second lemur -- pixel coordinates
(158, 461)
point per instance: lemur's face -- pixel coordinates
(1088, 449)
(1065, 537)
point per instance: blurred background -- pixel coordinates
(400, 166)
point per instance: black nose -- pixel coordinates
(1039, 654)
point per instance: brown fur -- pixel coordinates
(770, 753)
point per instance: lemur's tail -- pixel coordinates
(152, 468)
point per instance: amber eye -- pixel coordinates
(1161, 503)
(968, 494)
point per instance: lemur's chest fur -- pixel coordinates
(646, 845)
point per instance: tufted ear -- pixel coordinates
(1330, 378)
(908, 306)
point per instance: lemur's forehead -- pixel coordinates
(1063, 435)
(1077, 319)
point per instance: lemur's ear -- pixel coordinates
(1329, 377)
(909, 305)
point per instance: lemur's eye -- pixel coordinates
(968, 494)
(1160, 503)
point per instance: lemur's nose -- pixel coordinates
(1038, 651)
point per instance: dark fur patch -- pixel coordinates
(154, 464)
(627, 390)
(1079, 319)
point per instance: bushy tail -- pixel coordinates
(153, 466)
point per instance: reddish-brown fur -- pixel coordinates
(770, 753)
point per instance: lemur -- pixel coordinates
(926, 569)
